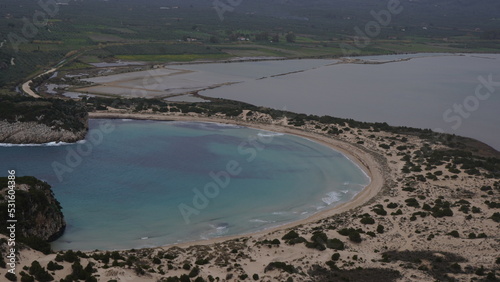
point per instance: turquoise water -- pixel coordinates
(134, 184)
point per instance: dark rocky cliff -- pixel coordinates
(38, 213)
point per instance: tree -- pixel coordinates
(214, 39)
(290, 37)
(263, 36)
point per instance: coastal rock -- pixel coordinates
(37, 211)
(35, 133)
(25, 120)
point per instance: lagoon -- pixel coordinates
(426, 91)
(152, 183)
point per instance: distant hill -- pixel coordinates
(29, 46)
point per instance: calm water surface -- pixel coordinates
(127, 190)
(421, 92)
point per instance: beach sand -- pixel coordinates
(425, 237)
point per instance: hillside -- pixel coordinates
(30, 120)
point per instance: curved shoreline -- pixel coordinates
(366, 161)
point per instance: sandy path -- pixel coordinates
(366, 162)
(26, 86)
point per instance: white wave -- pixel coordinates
(126, 119)
(333, 197)
(50, 144)
(259, 220)
(280, 213)
(225, 125)
(216, 231)
(270, 134)
(144, 238)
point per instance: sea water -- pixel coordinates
(134, 184)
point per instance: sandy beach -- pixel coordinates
(404, 233)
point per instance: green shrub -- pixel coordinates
(380, 211)
(281, 265)
(194, 272)
(170, 256)
(26, 277)
(392, 205)
(319, 237)
(335, 244)
(380, 229)
(315, 245)
(290, 235)
(10, 276)
(398, 212)
(332, 265)
(71, 257)
(496, 217)
(442, 212)
(456, 267)
(202, 261)
(454, 233)
(384, 146)
(412, 202)
(39, 272)
(355, 237)
(335, 256)
(54, 266)
(367, 220)
(480, 271)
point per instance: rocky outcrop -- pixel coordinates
(29, 120)
(37, 211)
(36, 133)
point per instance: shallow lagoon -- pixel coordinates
(416, 93)
(127, 190)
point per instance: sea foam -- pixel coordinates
(333, 197)
(49, 144)
(269, 134)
